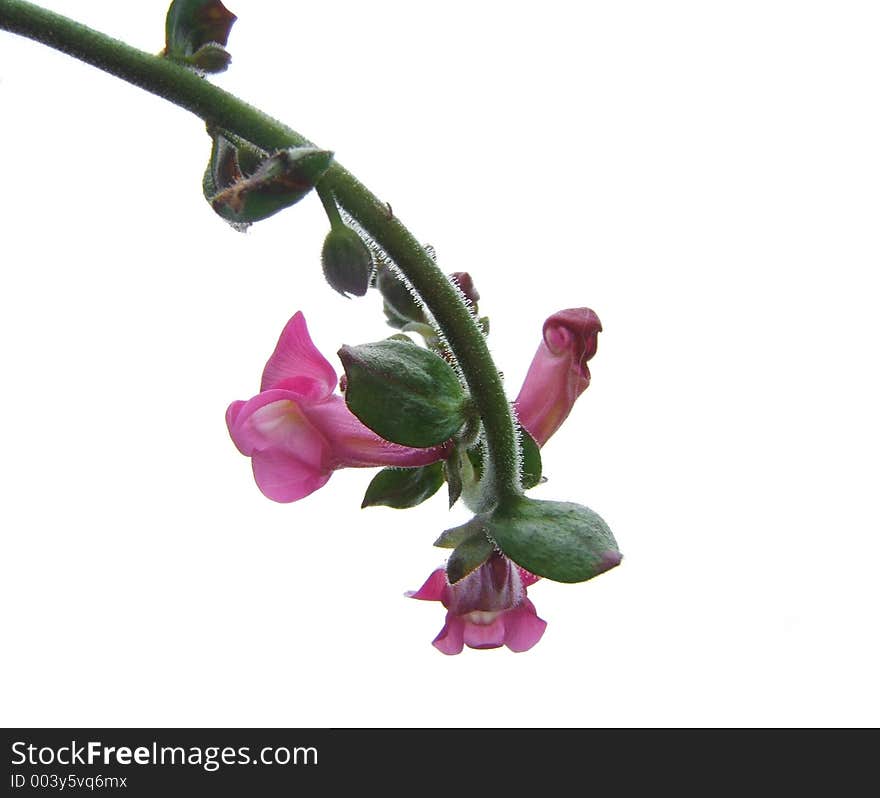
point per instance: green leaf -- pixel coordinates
(347, 261)
(405, 394)
(196, 33)
(402, 488)
(280, 181)
(469, 555)
(558, 540)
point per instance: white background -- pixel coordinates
(704, 175)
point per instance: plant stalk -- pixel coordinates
(184, 88)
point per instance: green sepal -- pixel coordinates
(196, 33)
(402, 488)
(469, 555)
(475, 455)
(346, 261)
(404, 393)
(223, 168)
(282, 180)
(561, 541)
(452, 471)
(232, 158)
(211, 58)
(458, 534)
(530, 465)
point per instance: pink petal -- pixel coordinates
(272, 419)
(282, 477)
(523, 627)
(297, 365)
(433, 589)
(451, 637)
(355, 445)
(489, 635)
(232, 413)
(290, 457)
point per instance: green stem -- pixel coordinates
(186, 89)
(330, 207)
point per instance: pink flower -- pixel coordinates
(297, 431)
(488, 608)
(558, 374)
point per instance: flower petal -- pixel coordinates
(356, 445)
(433, 589)
(485, 635)
(232, 412)
(451, 637)
(283, 477)
(291, 459)
(297, 365)
(273, 419)
(523, 627)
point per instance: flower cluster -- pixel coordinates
(298, 431)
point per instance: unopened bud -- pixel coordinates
(347, 261)
(196, 32)
(280, 181)
(405, 394)
(465, 284)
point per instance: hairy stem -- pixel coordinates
(186, 89)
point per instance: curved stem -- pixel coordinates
(186, 89)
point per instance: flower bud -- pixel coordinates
(404, 393)
(465, 284)
(196, 32)
(347, 261)
(562, 541)
(280, 181)
(559, 372)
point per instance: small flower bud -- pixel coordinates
(196, 32)
(465, 284)
(280, 181)
(347, 261)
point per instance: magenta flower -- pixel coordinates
(559, 373)
(297, 431)
(488, 608)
